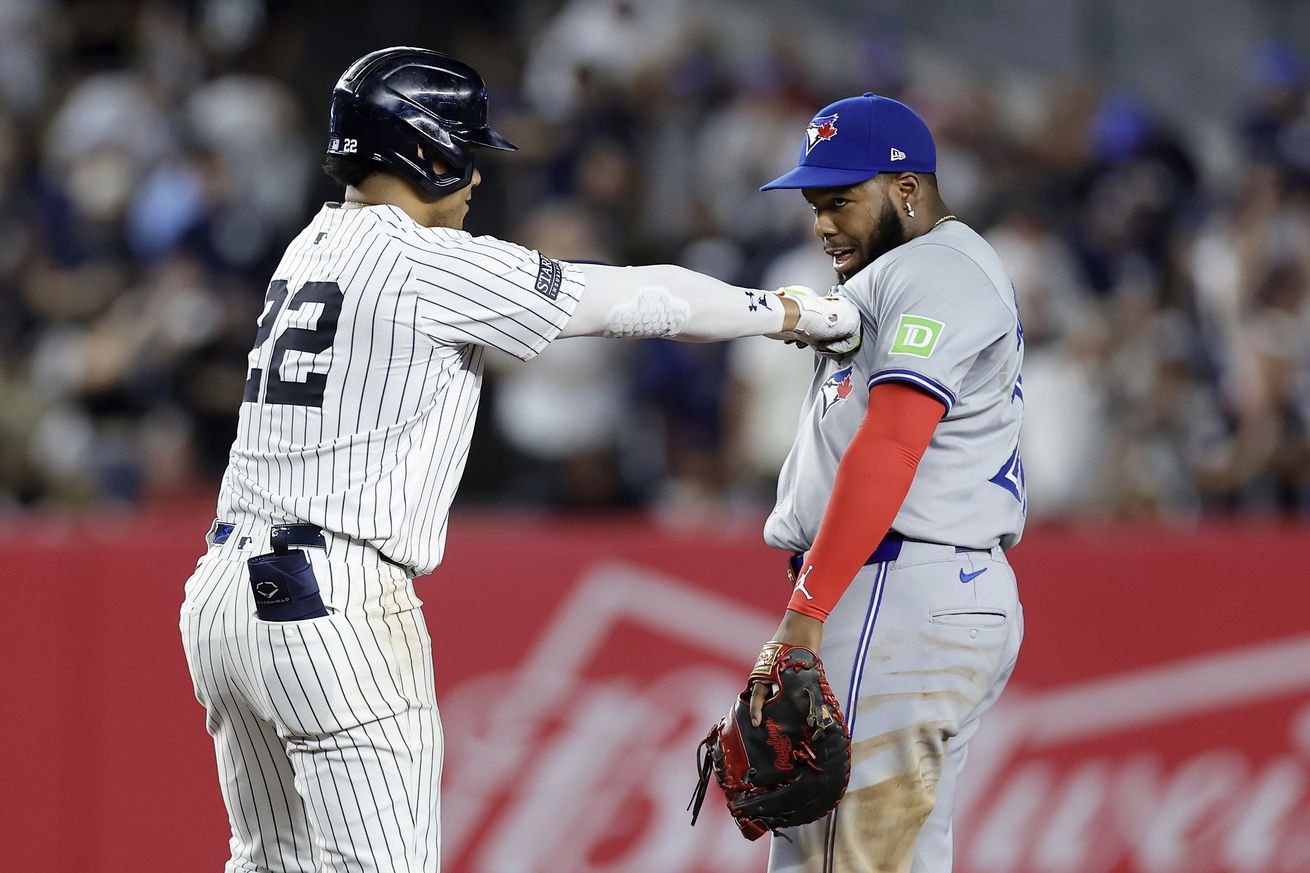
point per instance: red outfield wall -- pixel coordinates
(1159, 719)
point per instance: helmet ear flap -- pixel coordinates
(441, 184)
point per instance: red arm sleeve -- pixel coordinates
(873, 478)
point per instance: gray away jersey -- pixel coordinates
(364, 380)
(939, 313)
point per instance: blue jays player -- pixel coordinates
(902, 492)
(301, 626)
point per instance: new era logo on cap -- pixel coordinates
(898, 155)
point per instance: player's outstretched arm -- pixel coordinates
(676, 303)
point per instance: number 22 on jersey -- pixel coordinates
(312, 340)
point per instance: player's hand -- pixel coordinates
(796, 630)
(830, 324)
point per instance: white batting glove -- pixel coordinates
(830, 324)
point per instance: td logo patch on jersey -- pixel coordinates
(837, 388)
(821, 129)
(916, 335)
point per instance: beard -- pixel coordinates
(888, 235)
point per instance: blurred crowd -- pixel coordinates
(155, 157)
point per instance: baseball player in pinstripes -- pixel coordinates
(902, 492)
(301, 626)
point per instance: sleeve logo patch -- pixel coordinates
(916, 335)
(549, 278)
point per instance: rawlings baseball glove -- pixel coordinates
(793, 768)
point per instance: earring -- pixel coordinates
(909, 208)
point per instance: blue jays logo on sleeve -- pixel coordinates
(821, 129)
(837, 388)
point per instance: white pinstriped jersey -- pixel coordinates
(364, 380)
(939, 313)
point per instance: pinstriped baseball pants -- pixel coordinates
(326, 730)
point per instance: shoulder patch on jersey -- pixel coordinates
(916, 335)
(550, 275)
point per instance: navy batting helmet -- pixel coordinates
(404, 107)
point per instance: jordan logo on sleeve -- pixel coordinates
(800, 583)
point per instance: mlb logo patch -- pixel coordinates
(821, 129)
(837, 388)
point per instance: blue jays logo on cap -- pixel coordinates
(821, 129)
(837, 388)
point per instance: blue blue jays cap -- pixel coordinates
(858, 138)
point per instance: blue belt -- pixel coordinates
(284, 536)
(888, 550)
(280, 536)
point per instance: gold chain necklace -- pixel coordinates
(942, 219)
